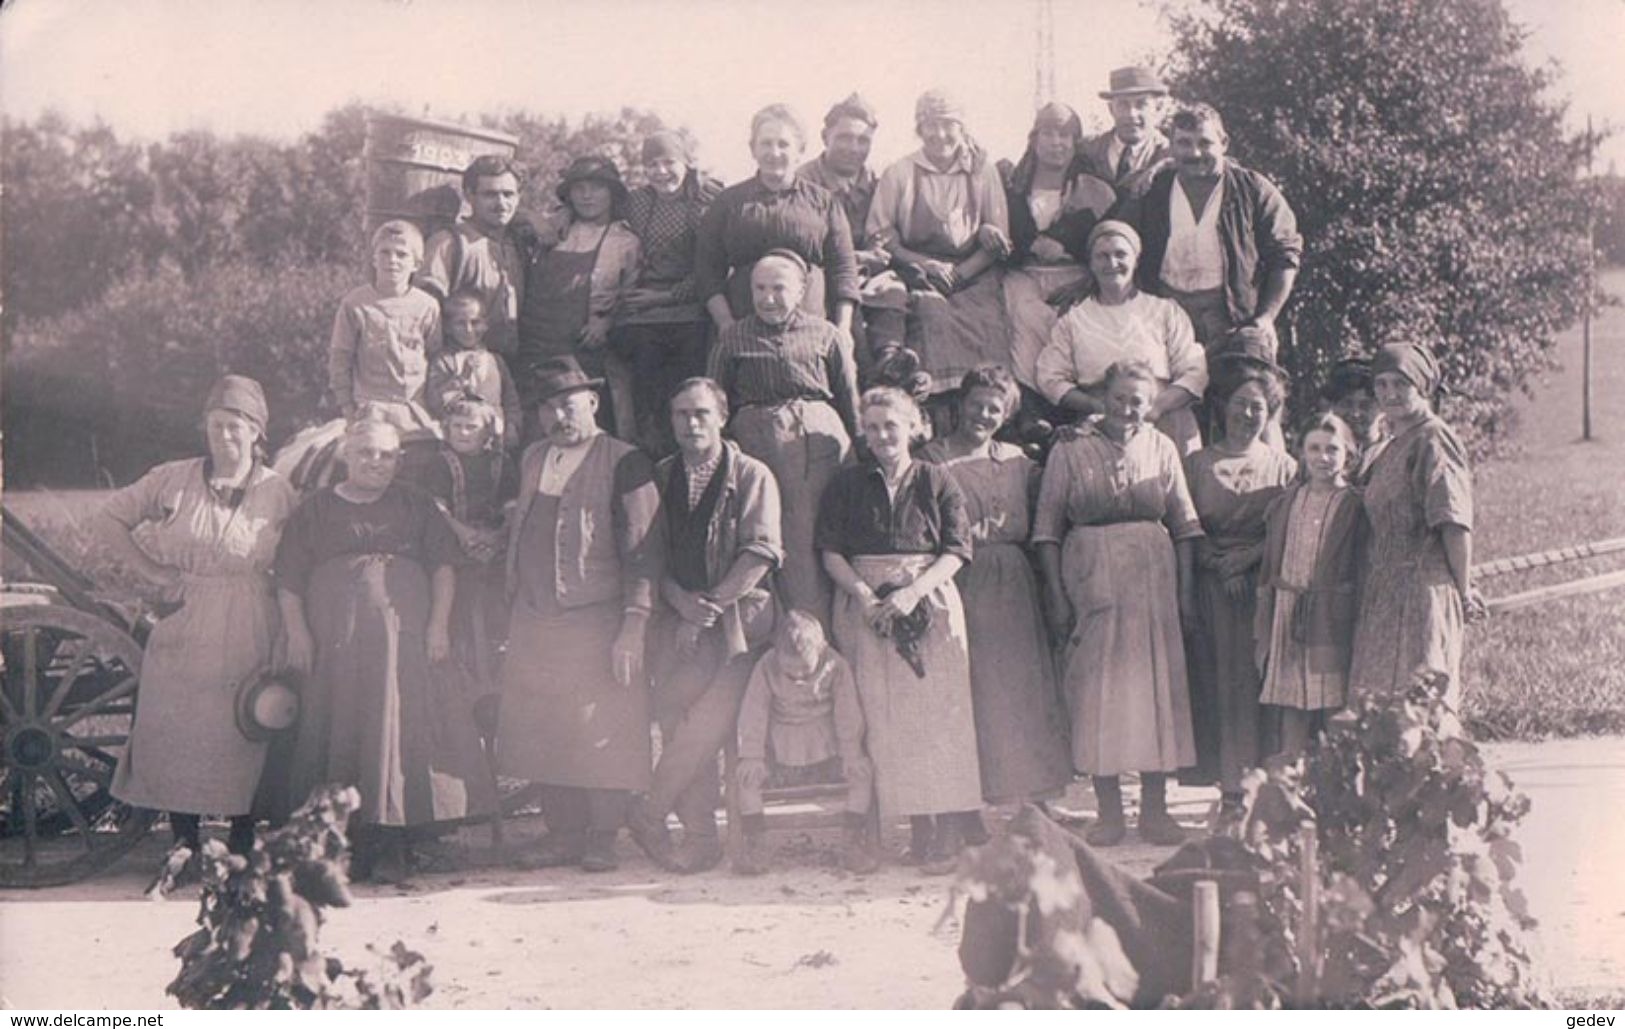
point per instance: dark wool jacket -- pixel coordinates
(1324, 619)
(1258, 230)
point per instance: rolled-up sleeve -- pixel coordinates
(1179, 511)
(1049, 513)
(1280, 245)
(955, 520)
(883, 227)
(760, 516)
(840, 258)
(639, 530)
(991, 204)
(434, 278)
(1055, 370)
(1444, 480)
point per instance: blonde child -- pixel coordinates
(1307, 600)
(471, 480)
(384, 335)
(466, 366)
(801, 723)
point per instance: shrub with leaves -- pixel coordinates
(1434, 181)
(1416, 863)
(1414, 870)
(261, 919)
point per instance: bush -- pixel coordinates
(261, 918)
(1433, 181)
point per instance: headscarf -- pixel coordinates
(240, 395)
(1113, 227)
(938, 103)
(1055, 116)
(1412, 360)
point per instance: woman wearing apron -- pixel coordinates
(941, 213)
(214, 525)
(772, 210)
(572, 289)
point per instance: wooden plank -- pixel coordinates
(1309, 931)
(1577, 587)
(1545, 558)
(1205, 933)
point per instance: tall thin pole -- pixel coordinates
(1591, 291)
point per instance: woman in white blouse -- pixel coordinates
(1121, 323)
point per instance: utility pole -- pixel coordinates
(1044, 60)
(1591, 290)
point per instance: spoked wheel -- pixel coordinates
(67, 700)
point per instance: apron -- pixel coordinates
(953, 334)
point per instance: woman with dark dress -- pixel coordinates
(1021, 732)
(1233, 482)
(776, 210)
(366, 578)
(893, 533)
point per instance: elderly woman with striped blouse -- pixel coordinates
(793, 391)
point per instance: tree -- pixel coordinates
(1434, 183)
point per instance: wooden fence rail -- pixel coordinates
(1545, 559)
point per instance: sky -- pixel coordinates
(274, 67)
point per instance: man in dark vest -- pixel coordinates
(714, 617)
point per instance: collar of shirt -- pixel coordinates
(758, 188)
(562, 463)
(961, 165)
(699, 476)
(775, 329)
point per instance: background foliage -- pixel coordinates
(1436, 188)
(135, 273)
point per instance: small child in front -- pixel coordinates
(1307, 600)
(467, 367)
(384, 335)
(801, 723)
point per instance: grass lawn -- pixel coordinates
(1553, 669)
(1557, 668)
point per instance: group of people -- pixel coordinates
(615, 470)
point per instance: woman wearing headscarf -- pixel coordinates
(366, 578)
(1120, 323)
(776, 210)
(940, 212)
(1419, 499)
(1054, 202)
(661, 325)
(213, 525)
(587, 260)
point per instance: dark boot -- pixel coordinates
(752, 858)
(972, 828)
(650, 833)
(599, 853)
(1156, 825)
(857, 850)
(1110, 829)
(945, 848)
(922, 833)
(187, 830)
(241, 840)
(699, 852)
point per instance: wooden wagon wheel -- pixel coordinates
(67, 699)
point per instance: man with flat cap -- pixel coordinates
(1135, 149)
(843, 169)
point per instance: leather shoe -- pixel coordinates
(599, 854)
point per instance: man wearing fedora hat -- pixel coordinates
(1135, 149)
(585, 550)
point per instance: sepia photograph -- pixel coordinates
(661, 505)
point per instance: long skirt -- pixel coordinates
(1026, 297)
(1021, 732)
(920, 731)
(804, 443)
(954, 334)
(375, 715)
(185, 752)
(1123, 670)
(1224, 685)
(565, 720)
(1411, 623)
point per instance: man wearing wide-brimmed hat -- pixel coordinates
(1135, 148)
(585, 550)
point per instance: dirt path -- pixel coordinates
(806, 936)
